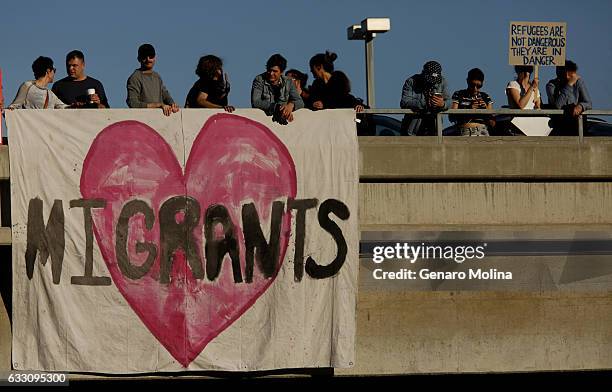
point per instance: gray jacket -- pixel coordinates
(414, 97)
(561, 95)
(262, 95)
(414, 94)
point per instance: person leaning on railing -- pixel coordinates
(338, 94)
(275, 93)
(568, 92)
(145, 88)
(425, 93)
(472, 98)
(522, 93)
(331, 89)
(212, 89)
(300, 80)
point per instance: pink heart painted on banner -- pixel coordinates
(233, 161)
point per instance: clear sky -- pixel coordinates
(459, 34)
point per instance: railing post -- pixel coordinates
(369, 53)
(580, 130)
(439, 125)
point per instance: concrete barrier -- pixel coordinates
(418, 184)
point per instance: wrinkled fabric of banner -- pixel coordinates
(189, 261)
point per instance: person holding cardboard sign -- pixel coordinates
(212, 89)
(523, 93)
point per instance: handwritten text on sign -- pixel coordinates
(537, 43)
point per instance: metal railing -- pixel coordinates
(508, 112)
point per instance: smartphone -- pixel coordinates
(438, 94)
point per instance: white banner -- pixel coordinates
(199, 241)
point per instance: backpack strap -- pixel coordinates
(25, 100)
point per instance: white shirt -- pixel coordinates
(514, 85)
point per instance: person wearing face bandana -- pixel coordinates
(425, 93)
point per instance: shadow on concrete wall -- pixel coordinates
(6, 281)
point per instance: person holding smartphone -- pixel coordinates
(472, 98)
(425, 93)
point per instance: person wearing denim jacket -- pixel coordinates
(569, 93)
(275, 93)
(425, 93)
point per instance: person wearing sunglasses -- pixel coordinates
(145, 87)
(472, 98)
(35, 94)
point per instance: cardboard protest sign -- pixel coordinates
(199, 241)
(537, 43)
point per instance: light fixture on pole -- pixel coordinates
(367, 31)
